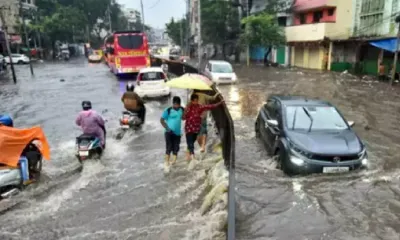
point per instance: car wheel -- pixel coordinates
(20, 62)
(283, 162)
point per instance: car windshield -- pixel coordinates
(318, 117)
(130, 41)
(151, 76)
(222, 68)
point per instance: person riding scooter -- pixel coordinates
(133, 102)
(30, 143)
(91, 122)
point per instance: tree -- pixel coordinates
(176, 30)
(262, 30)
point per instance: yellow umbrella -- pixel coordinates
(191, 81)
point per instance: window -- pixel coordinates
(317, 16)
(130, 41)
(151, 76)
(222, 68)
(323, 118)
(282, 21)
(302, 18)
(331, 11)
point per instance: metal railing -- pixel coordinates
(226, 132)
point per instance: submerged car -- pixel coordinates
(220, 72)
(309, 136)
(151, 81)
(96, 56)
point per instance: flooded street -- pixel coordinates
(126, 194)
(359, 205)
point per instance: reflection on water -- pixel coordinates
(243, 102)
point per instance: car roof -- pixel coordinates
(151, 69)
(299, 100)
(218, 62)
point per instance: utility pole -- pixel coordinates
(109, 18)
(199, 52)
(22, 12)
(396, 52)
(143, 24)
(248, 46)
(188, 33)
(3, 24)
(181, 33)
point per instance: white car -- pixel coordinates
(220, 72)
(151, 81)
(17, 59)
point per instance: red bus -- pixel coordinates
(127, 52)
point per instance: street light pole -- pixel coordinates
(396, 52)
(248, 46)
(199, 51)
(26, 37)
(143, 24)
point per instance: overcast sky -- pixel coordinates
(158, 12)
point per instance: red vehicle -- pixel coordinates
(127, 52)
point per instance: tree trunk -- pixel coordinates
(224, 51)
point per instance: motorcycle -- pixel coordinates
(130, 120)
(29, 168)
(88, 147)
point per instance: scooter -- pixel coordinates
(88, 147)
(15, 179)
(130, 120)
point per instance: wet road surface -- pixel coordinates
(125, 195)
(359, 205)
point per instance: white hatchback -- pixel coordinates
(220, 72)
(151, 81)
(17, 59)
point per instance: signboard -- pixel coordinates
(15, 39)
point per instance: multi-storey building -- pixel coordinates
(12, 10)
(317, 24)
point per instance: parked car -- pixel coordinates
(309, 136)
(151, 81)
(220, 72)
(17, 59)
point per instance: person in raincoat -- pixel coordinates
(91, 122)
(133, 102)
(204, 99)
(14, 142)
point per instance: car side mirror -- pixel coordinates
(351, 123)
(271, 123)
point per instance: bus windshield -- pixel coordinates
(130, 41)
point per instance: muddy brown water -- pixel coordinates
(358, 205)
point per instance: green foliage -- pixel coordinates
(262, 30)
(65, 20)
(218, 20)
(175, 30)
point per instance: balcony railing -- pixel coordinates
(316, 32)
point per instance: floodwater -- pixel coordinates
(125, 194)
(360, 205)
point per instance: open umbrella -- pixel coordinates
(191, 81)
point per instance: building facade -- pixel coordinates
(12, 10)
(317, 24)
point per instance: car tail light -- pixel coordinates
(125, 121)
(164, 77)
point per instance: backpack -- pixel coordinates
(169, 110)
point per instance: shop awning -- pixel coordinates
(388, 44)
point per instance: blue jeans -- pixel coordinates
(23, 162)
